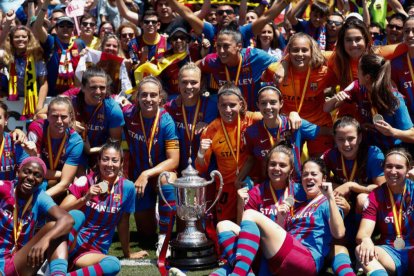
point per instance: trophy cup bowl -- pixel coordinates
(191, 249)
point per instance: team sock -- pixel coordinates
(58, 267)
(163, 209)
(227, 241)
(378, 272)
(341, 265)
(247, 246)
(107, 266)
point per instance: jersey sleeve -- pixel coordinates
(45, 203)
(402, 117)
(308, 130)
(129, 195)
(80, 187)
(371, 206)
(115, 115)
(207, 63)
(247, 34)
(374, 163)
(75, 150)
(254, 199)
(208, 31)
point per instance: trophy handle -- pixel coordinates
(212, 174)
(167, 176)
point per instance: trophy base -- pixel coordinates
(192, 257)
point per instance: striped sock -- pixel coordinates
(107, 266)
(222, 271)
(341, 265)
(58, 267)
(227, 241)
(163, 209)
(247, 246)
(378, 272)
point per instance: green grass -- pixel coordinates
(116, 250)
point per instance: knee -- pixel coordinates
(112, 265)
(224, 225)
(249, 214)
(360, 202)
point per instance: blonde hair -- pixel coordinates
(317, 58)
(33, 47)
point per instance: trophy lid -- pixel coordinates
(190, 178)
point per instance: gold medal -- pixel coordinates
(399, 243)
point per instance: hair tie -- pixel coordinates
(400, 153)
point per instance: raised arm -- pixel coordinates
(37, 28)
(185, 12)
(269, 15)
(397, 7)
(291, 14)
(127, 13)
(336, 223)
(242, 12)
(204, 11)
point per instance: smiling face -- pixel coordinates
(179, 42)
(110, 163)
(354, 43)
(227, 49)
(189, 85)
(279, 168)
(225, 15)
(29, 177)
(94, 90)
(394, 31)
(59, 119)
(300, 53)
(347, 140)
(266, 36)
(111, 46)
(409, 33)
(229, 107)
(64, 30)
(88, 26)
(312, 178)
(20, 40)
(150, 24)
(127, 34)
(395, 170)
(149, 99)
(269, 104)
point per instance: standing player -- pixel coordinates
(191, 112)
(223, 139)
(389, 208)
(303, 88)
(233, 63)
(154, 148)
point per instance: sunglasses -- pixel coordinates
(392, 26)
(181, 37)
(221, 12)
(336, 23)
(149, 22)
(86, 24)
(127, 35)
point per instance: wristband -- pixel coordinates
(200, 155)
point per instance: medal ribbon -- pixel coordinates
(397, 217)
(236, 82)
(275, 199)
(2, 147)
(307, 207)
(94, 114)
(17, 226)
(191, 136)
(152, 134)
(53, 164)
(302, 97)
(272, 141)
(354, 167)
(410, 66)
(226, 135)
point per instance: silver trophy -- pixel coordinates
(191, 249)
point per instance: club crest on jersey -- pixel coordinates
(314, 86)
(117, 197)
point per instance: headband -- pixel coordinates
(399, 153)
